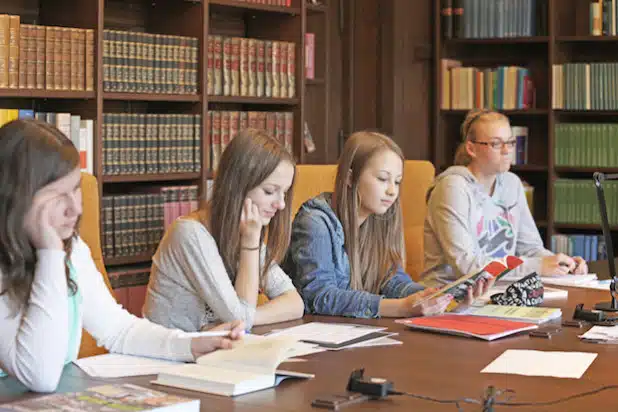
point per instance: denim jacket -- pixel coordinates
(320, 268)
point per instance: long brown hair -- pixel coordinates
(376, 248)
(469, 131)
(247, 161)
(33, 154)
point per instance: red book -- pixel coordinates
(467, 325)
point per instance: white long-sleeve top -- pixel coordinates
(34, 340)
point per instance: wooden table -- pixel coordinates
(434, 365)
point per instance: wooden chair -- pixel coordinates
(310, 181)
(89, 231)
(418, 176)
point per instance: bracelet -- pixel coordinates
(249, 248)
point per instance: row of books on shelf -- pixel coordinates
(603, 17)
(502, 88)
(224, 125)
(585, 86)
(80, 131)
(138, 62)
(282, 3)
(45, 57)
(468, 19)
(520, 152)
(134, 224)
(590, 247)
(129, 284)
(137, 143)
(586, 144)
(575, 201)
(239, 66)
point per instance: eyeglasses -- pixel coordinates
(498, 144)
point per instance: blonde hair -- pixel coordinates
(375, 249)
(247, 161)
(469, 131)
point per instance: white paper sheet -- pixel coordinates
(334, 333)
(541, 363)
(602, 333)
(114, 365)
(588, 281)
(376, 342)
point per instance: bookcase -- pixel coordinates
(567, 99)
(153, 94)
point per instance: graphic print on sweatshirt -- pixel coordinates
(495, 234)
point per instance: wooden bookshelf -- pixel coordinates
(529, 168)
(152, 97)
(196, 19)
(563, 37)
(45, 94)
(128, 260)
(163, 177)
(315, 82)
(500, 41)
(243, 5)
(254, 100)
(312, 8)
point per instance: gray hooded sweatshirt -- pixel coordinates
(466, 228)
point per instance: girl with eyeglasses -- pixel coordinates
(477, 210)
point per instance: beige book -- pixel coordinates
(218, 65)
(283, 69)
(291, 69)
(276, 69)
(268, 68)
(244, 67)
(13, 52)
(260, 67)
(4, 50)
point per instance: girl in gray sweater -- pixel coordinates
(477, 210)
(211, 265)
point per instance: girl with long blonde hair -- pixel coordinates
(347, 249)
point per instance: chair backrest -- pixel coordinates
(418, 176)
(89, 231)
(310, 181)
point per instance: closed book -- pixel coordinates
(527, 314)
(112, 397)
(468, 326)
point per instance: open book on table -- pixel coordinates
(497, 268)
(251, 365)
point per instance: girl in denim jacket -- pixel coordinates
(347, 248)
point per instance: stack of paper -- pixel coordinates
(601, 334)
(518, 313)
(588, 281)
(337, 336)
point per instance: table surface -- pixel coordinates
(435, 365)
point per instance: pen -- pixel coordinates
(212, 334)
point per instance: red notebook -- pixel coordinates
(466, 325)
